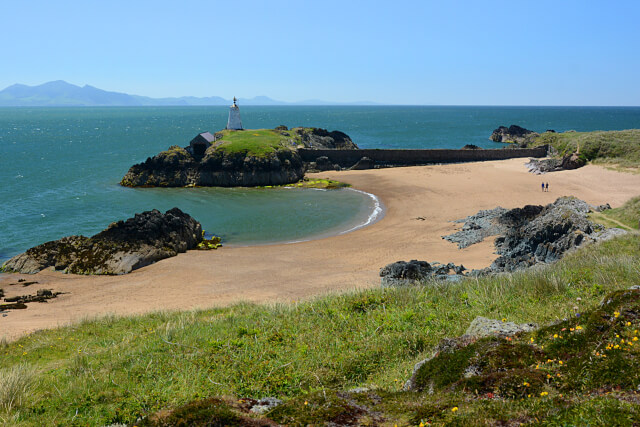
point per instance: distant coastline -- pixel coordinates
(62, 94)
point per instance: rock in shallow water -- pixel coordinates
(124, 246)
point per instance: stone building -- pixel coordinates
(200, 143)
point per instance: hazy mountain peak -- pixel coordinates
(62, 93)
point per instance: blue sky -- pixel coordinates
(452, 52)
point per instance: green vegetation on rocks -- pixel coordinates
(253, 142)
(116, 370)
(619, 148)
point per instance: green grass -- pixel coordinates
(254, 142)
(116, 369)
(626, 216)
(620, 148)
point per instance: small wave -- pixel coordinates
(373, 217)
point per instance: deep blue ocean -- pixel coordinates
(60, 167)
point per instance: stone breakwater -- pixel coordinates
(124, 246)
(386, 158)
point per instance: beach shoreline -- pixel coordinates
(421, 202)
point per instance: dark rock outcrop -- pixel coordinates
(513, 133)
(471, 147)
(477, 227)
(322, 164)
(402, 273)
(124, 246)
(553, 164)
(573, 161)
(364, 163)
(542, 166)
(318, 138)
(177, 168)
(532, 234)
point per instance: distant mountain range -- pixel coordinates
(61, 93)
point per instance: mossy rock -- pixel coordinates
(597, 350)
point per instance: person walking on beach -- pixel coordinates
(546, 187)
(543, 186)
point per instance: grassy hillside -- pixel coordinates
(254, 142)
(114, 370)
(625, 217)
(621, 148)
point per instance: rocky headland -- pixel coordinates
(124, 246)
(247, 158)
(533, 234)
(526, 237)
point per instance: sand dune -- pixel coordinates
(287, 272)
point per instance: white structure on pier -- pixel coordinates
(234, 122)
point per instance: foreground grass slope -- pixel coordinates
(116, 370)
(620, 148)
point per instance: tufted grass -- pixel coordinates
(117, 369)
(620, 148)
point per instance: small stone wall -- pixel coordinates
(382, 157)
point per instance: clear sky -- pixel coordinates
(444, 52)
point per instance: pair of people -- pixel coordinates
(545, 187)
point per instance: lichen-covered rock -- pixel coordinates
(532, 234)
(403, 273)
(265, 405)
(124, 246)
(477, 227)
(537, 234)
(482, 327)
(542, 166)
(592, 353)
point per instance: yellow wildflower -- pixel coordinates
(544, 393)
(454, 409)
(635, 339)
(616, 314)
(578, 328)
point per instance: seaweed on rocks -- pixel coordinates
(124, 246)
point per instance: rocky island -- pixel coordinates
(124, 246)
(235, 157)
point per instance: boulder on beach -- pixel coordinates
(124, 246)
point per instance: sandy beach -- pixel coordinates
(290, 272)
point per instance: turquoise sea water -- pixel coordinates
(60, 167)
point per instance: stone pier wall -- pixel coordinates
(382, 157)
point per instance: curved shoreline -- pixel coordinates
(374, 216)
(420, 204)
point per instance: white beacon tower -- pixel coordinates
(234, 122)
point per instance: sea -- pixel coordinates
(60, 166)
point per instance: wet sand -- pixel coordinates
(290, 272)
